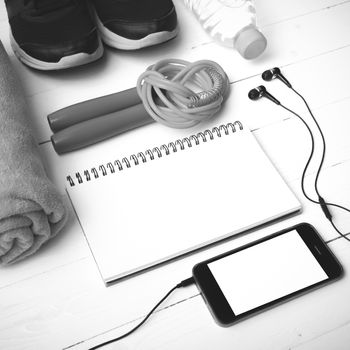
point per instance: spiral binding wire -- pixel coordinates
(156, 152)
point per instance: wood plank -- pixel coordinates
(303, 76)
(278, 140)
(334, 102)
(338, 338)
(56, 298)
(270, 12)
(189, 325)
(59, 297)
(286, 142)
(288, 42)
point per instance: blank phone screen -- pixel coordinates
(267, 271)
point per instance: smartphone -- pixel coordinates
(267, 272)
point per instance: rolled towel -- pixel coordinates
(31, 209)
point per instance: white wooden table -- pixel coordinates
(57, 300)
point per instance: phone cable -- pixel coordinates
(184, 283)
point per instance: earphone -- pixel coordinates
(275, 73)
(259, 92)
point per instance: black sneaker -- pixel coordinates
(53, 34)
(133, 24)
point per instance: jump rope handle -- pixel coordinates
(89, 109)
(94, 130)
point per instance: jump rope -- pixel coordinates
(167, 91)
(173, 92)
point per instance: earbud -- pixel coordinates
(259, 92)
(275, 73)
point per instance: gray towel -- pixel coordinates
(31, 209)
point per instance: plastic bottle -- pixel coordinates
(232, 23)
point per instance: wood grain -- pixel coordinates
(57, 300)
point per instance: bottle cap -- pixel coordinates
(250, 43)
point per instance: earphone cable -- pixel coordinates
(321, 201)
(310, 156)
(184, 283)
(323, 141)
(339, 232)
(323, 152)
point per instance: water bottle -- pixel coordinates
(232, 23)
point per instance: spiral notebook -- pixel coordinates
(147, 208)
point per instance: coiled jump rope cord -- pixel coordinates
(173, 92)
(181, 94)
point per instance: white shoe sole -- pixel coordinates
(64, 63)
(119, 42)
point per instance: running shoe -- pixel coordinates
(53, 34)
(134, 24)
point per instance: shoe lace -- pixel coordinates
(42, 7)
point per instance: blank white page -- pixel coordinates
(148, 213)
